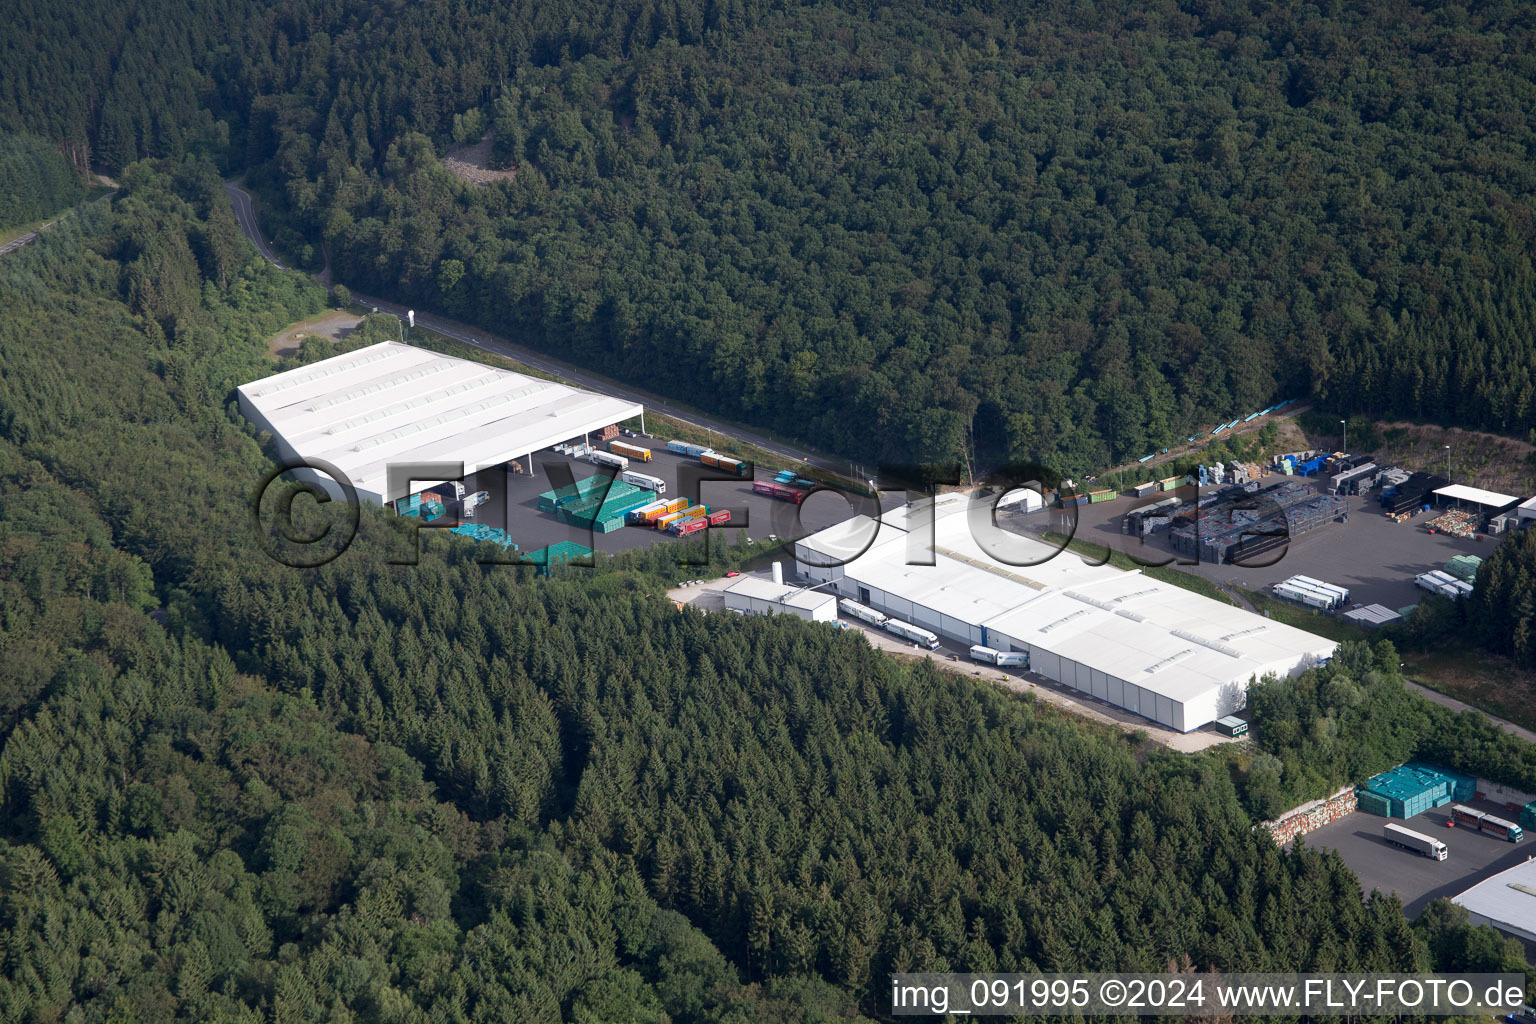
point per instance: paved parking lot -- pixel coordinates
(1416, 879)
(513, 503)
(1374, 557)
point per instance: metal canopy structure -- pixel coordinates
(393, 403)
(1168, 654)
(1475, 496)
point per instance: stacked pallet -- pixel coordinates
(1456, 523)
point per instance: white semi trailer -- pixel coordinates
(1418, 842)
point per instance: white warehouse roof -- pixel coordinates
(752, 593)
(1160, 650)
(392, 403)
(1506, 900)
(1476, 495)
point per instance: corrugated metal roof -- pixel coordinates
(392, 403)
(1166, 639)
(1505, 898)
(1461, 492)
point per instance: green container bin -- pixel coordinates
(1374, 803)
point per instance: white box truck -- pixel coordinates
(916, 634)
(984, 654)
(598, 458)
(650, 483)
(862, 612)
(1418, 842)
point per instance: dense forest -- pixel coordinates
(236, 791)
(35, 180)
(1062, 233)
(1352, 718)
(1501, 611)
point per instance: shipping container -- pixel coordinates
(1095, 497)
(862, 612)
(726, 463)
(618, 462)
(431, 510)
(719, 517)
(698, 450)
(916, 634)
(1419, 843)
(662, 522)
(1012, 659)
(1342, 593)
(677, 447)
(677, 505)
(645, 513)
(984, 654)
(696, 511)
(650, 483)
(630, 451)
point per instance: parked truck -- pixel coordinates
(689, 524)
(645, 480)
(864, 613)
(645, 513)
(1002, 659)
(598, 458)
(916, 634)
(778, 491)
(630, 451)
(1506, 830)
(727, 463)
(719, 517)
(1419, 843)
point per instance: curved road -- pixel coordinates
(245, 216)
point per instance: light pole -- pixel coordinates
(1345, 425)
(1447, 463)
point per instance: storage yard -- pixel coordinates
(1372, 556)
(1473, 855)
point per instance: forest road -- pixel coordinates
(31, 236)
(1437, 697)
(245, 216)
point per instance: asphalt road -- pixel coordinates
(245, 216)
(31, 236)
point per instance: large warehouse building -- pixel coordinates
(1507, 901)
(392, 404)
(1155, 649)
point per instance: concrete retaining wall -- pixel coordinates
(1512, 799)
(1309, 816)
